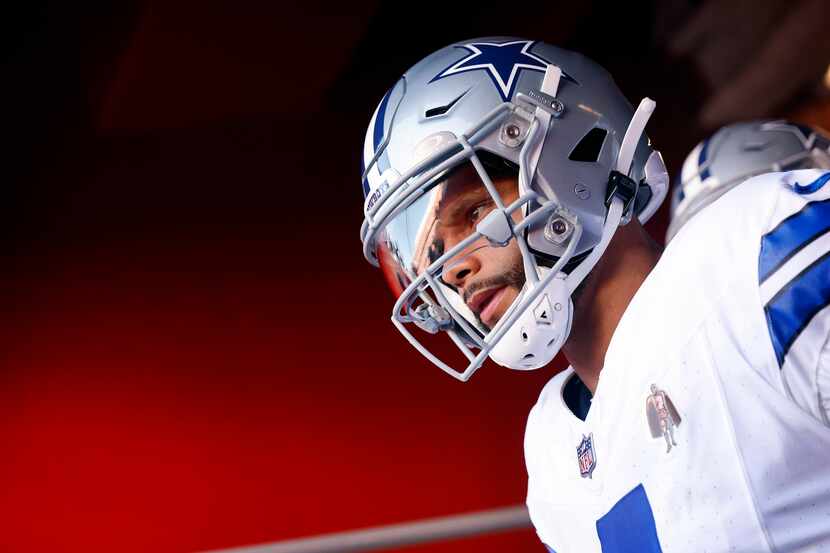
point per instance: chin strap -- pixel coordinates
(635, 130)
(620, 198)
(612, 221)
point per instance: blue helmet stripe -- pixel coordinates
(804, 129)
(705, 174)
(365, 180)
(381, 163)
(679, 193)
(791, 235)
(377, 135)
(792, 309)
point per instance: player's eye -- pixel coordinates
(436, 250)
(479, 211)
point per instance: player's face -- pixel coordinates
(487, 278)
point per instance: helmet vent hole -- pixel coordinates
(442, 110)
(528, 356)
(435, 112)
(755, 146)
(552, 342)
(590, 146)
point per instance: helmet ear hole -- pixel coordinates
(590, 146)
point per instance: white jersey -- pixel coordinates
(708, 431)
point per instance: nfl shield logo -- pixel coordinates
(585, 456)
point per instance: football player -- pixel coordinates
(732, 155)
(738, 152)
(506, 183)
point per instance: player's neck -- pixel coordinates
(610, 287)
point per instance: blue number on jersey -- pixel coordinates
(629, 526)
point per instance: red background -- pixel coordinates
(194, 353)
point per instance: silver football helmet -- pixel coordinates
(496, 172)
(740, 151)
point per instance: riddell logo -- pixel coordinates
(376, 195)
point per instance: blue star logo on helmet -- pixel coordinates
(502, 61)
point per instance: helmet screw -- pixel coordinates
(557, 107)
(582, 192)
(557, 230)
(524, 335)
(557, 307)
(511, 134)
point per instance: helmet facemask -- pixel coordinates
(455, 241)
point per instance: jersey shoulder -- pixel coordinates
(736, 221)
(745, 236)
(794, 289)
(759, 260)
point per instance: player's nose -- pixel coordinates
(457, 271)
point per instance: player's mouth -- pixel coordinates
(485, 304)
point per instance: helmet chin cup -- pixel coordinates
(538, 334)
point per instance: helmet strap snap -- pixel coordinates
(622, 187)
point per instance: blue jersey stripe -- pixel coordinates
(791, 235)
(701, 159)
(792, 308)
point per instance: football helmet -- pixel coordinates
(495, 173)
(740, 151)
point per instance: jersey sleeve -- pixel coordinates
(794, 283)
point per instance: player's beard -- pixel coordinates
(513, 277)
